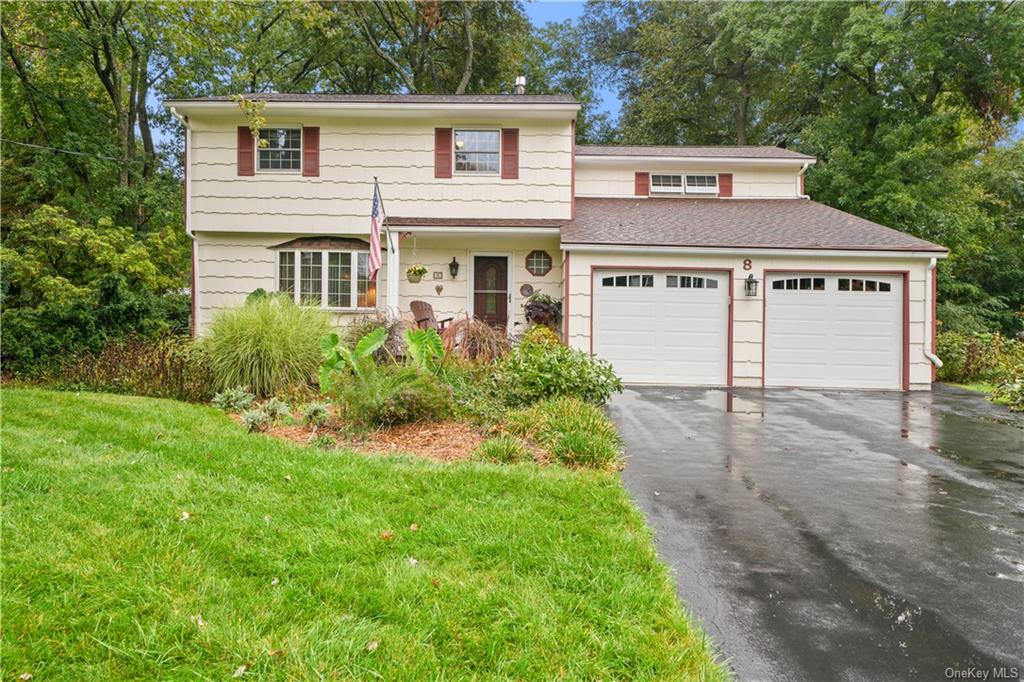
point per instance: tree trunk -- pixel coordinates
(741, 114)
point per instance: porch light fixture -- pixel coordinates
(453, 268)
(750, 285)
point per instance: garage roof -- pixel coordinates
(744, 223)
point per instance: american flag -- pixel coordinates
(375, 220)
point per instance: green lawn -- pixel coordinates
(979, 386)
(521, 572)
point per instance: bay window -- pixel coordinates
(325, 278)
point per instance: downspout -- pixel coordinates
(929, 352)
(800, 182)
(188, 216)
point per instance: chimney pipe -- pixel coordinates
(520, 86)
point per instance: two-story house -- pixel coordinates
(680, 265)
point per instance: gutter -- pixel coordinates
(188, 215)
(929, 352)
(746, 251)
(800, 182)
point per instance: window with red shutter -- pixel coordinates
(725, 184)
(442, 152)
(510, 153)
(311, 151)
(246, 152)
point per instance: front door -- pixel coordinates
(490, 289)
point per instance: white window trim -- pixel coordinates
(668, 190)
(701, 190)
(277, 171)
(324, 270)
(488, 129)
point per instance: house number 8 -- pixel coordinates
(747, 264)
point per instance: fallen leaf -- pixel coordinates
(943, 492)
(266, 518)
(412, 562)
(241, 670)
(198, 620)
(288, 477)
(185, 516)
(61, 441)
(387, 535)
(435, 582)
(276, 652)
(25, 676)
(275, 582)
(414, 527)
(372, 646)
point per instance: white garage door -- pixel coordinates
(839, 330)
(663, 327)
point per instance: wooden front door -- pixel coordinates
(490, 289)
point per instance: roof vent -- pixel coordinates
(520, 87)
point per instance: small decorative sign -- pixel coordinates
(526, 290)
(439, 288)
(438, 275)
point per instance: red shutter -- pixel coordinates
(311, 152)
(725, 184)
(246, 159)
(643, 184)
(442, 152)
(510, 153)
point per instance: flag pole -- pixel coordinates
(387, 228)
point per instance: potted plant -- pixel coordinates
(415, 273)
(543, 309)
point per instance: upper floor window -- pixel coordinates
(325, 278)
(282, 151)
(701, 184)
(477, 151)
(667, 183)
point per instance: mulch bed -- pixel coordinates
(446, 441)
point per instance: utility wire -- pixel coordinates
(65, 151)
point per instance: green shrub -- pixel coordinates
(315, 413)
(167, 367)
(256, 420)
(265, 345)
(503, 449)
(533, 372)
(989, 358)
(394, 344)
(277, 409)
(576, 433)
(233, 400)
(323, 442)
(542, 335)
(1011, 394)
(475, 395)
(389, 394)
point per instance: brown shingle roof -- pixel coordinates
(747, 152)
(739, 223)
(390, 99)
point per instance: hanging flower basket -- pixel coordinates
(415, 273)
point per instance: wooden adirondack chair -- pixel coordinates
(423, 313)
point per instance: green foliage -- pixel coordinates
(277, 410)
(541, 308)
(968, 358)
(533, 372)
(265, 345)
(323, 442)
(315, 413)
(576, 433)
(233, 400)
(424, 348)
(385, 395)
(542, 335)
(256, 420)
(1010, 393)
(362, 325)
(167, 367)
(503, 449)
(337, 359)
(475, 394)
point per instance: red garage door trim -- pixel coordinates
(905, 274)
(728, 271)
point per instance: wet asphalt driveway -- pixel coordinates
(827, 535)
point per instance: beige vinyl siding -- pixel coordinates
(617, 180)
(748, 312)
(352, 151)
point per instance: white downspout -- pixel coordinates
(799, 178)
(929, 352)
(188, 216)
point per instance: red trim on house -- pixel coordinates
(572, 178)
(642, 184)
(311, 151)
(729, 331)
(442, 152)
(725, 185)
(510, 153)
(935, 310)
(192, 259)
(905, 274)
(565, 299)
